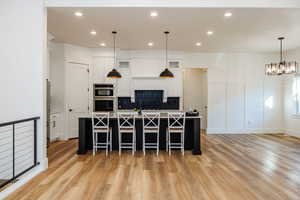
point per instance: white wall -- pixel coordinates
(145, 67)
(57, 77)
(22, 60)
(195, 91)
(57, 88)
(241, 99)
(291, 121)
(22, 78)
(60, 55)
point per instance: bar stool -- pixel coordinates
(151, 122)
(176, 123)
(101, 126)
(126, 122)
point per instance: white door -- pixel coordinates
(195, 92)
(77, 95)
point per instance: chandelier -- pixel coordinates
(282, 67)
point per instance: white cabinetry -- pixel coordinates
(101, 67)
(139, 74)
(56, 126)
(146, 68)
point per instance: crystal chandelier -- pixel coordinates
(282, 67)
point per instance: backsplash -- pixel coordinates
(173, 103)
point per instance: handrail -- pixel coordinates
(19, 121)
(15, 173)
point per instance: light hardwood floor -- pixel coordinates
(233, 167)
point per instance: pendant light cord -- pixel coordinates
(114, 48)
(166, 48)
(280, 50)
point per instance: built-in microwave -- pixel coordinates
(103, 105)
(103, 90)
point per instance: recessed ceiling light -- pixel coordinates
(102, 44)
(150, 44)
(93, 32)
(78, 14)
(198, 44)
(228, 14)
(153, 14)
(210, 32)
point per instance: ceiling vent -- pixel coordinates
(124, 64)
(174, 64)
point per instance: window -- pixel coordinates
(296, 94)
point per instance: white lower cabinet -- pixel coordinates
(56, 127)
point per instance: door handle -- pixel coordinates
(70, 110)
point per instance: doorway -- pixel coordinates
(195, 92)
(77, 95)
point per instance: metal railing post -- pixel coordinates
(14, 154)
(35, 141)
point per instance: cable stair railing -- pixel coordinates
(18, 149)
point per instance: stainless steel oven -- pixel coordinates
(103, 90)
(103, 105)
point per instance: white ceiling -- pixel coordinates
(248, 30)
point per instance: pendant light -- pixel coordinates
(282, 67)
(114, 73)
(166, 73)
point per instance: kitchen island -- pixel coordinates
(192, 136)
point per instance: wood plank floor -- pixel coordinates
(233, 167)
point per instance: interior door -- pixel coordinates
(77, 91)
(195, 92)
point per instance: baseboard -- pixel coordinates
(22, 180)
(292, 133)
(244, 131)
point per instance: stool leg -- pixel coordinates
(94, 144)
(133, 142)
(96, 138)
(120, 140)
(110, 140)
(106, 146)
(157, 147)
(183, 143)
(167, 142)
(144, 141)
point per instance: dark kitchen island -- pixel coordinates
(192, 133)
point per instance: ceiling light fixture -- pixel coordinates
(102, 44)
(150, 44)
(166, 73)
(153, 14)
(198, 44)
(228, 14)
(210, 32)
(114, 73)
(78, 14)
(93, 33)
(282, 67)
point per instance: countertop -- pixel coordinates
(162, 115)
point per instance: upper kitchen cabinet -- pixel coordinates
(101, 66)
(123, 85)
